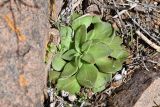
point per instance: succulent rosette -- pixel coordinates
(88, 55)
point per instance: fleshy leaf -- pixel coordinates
(69, 69)
(91, 34)
(80, 37)
(108, 65)
(117, 65)
(66, 37)
(53, 76)
(58, 63)
(69, 85)
(87, 75)
(99, 50)
(85, 46)
(102, 30)
(96, 19)
(74, 16)
(120, 54)
(88, 58)
(114, 40)
(78, 61)
(83, 20)
(69, 55)
(101, 81)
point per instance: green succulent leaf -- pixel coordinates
(53, 76)
(74, 16)
(69, 55)
(99, 29)
(103, 29)
(78, 61)
(101, 81)
(117, 64)
(68, 84)
(87, 75)
(88, 58)
(80, 37)
(119, 52)
(58, 63)
(69, 69)
(108, 65)
(83, 20)
(85, 46)
(99, 50)
(114, 41)
(91, 34)
(96, 19)
(66, 37)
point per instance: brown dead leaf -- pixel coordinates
(114, 25)
(116, 84)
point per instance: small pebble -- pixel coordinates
(64, 93)
(50, 91)
(117, 77)
(72, 98)
(124, 72)
(155, 3)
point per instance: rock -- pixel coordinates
(151, 96)
(140, 91)
(23, 32)
(64, 93)
(55, 8)
(72, 98)
(118, 77)
(92, 9)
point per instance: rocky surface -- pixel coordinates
(151, 96)
(23, 32)
(141, 91)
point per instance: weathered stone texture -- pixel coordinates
(151, 96)
(22, 74)
(141, 91)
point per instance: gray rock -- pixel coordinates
(23, 35)
(151, 96)
(141, 91)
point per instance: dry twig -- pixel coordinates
(149, 42)
(123, 11)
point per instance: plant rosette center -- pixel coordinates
(88, 55)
